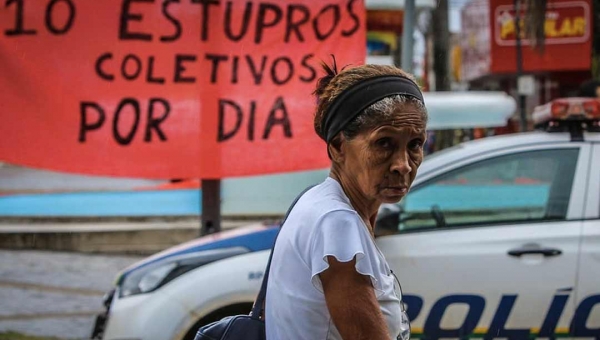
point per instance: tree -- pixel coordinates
(535, 18)
(440, 33)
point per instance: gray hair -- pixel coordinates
(380, 111)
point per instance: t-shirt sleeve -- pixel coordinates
(343, 235)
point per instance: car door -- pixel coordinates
(586, 321)
(488, 246)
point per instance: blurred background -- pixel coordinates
(65, 236)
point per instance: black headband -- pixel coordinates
(354, 100)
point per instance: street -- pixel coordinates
(54, 294)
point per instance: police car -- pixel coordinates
(498, 238)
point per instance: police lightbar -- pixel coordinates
(472, 109)
(574, 115)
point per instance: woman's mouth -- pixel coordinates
(397, 190)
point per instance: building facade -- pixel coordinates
(488, 45)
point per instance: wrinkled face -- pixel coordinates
(382, 162)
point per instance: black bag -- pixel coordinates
(246, 327)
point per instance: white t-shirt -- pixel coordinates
(323, 223)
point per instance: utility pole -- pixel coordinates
(408, 30)
(519, 50)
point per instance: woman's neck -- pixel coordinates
(366, 208)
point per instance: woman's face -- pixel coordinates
(382, 162)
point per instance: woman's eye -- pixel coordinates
(415, 144)
(384, 142)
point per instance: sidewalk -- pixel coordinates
(54, 294)
(141, 238)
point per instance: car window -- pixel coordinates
(528, 186)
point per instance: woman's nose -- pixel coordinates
(401, 164)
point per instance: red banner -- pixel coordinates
(568, 27)
(169, 88)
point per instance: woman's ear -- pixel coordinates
(336, 149)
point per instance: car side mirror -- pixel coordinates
(388, 219)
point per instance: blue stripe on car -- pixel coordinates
(254, 241)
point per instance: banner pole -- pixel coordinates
(211, 206)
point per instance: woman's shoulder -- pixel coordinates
(322, 199)
(313, 207)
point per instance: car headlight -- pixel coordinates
(155, 275)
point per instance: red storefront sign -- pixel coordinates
(568, 38)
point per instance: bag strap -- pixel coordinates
(258, 307)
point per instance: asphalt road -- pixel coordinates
(54, 294)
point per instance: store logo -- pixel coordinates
(566, 23)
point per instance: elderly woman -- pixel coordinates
(328, 279)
